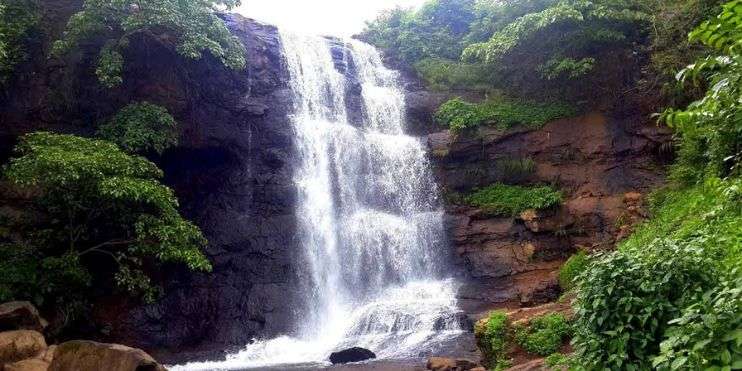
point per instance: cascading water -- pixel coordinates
(369, 220)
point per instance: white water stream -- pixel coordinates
(370, 222)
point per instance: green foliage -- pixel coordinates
(507, 200)
(141, 128)
(492, 336)
(708, 334)
(443, 74)
(435, 31)
(710, 129)
(573, 69)
(669, 47)
(543, 335)
(504, 113)
(569, 272)
(630, 300)
(193, 25)
(568, 28)
(17, 19)
(98, 207)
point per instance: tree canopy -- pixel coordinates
(193, 26)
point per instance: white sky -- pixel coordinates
(325, 17)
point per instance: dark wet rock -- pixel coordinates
(355, 354)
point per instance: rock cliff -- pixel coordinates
(232, 172)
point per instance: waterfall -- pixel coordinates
(371, 225)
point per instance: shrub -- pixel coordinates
(624, 306)
(492, 337)
(504, 113)
(543, 335)
(569, 272)
(507, 200)
(141, 128)
(708, 334)
(101, 215)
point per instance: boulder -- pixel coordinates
(19, 345)
(89, 355)
(354, 354)
(27, 365)
(20, 315)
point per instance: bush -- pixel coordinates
(141, 128)
(627, 299)
(507, 200)
(504, 113)
(492, 337)
(569, 272)
(543, 335)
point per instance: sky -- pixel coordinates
(324, 17)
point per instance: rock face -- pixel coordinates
(354, 354)
(602, 164)
(232, 173)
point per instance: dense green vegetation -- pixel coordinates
(571, 270)
(17, 19)
(192, 26)
(96, 216)
(141, 128)
(543, 335)
(510, 200)
(459, 115)
(676, 281)
(492, 335)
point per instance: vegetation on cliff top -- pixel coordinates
(192, 26)
(17, 19)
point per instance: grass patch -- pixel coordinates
(504, 113)
(543, 335)
(508, 200)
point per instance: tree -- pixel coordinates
(567, 34)
(141, 128)
(100, 206)
(193, 26)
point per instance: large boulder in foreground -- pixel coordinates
(354, 354)
(31, 364)
(20, 315)
(89, 355)
(19, 345)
